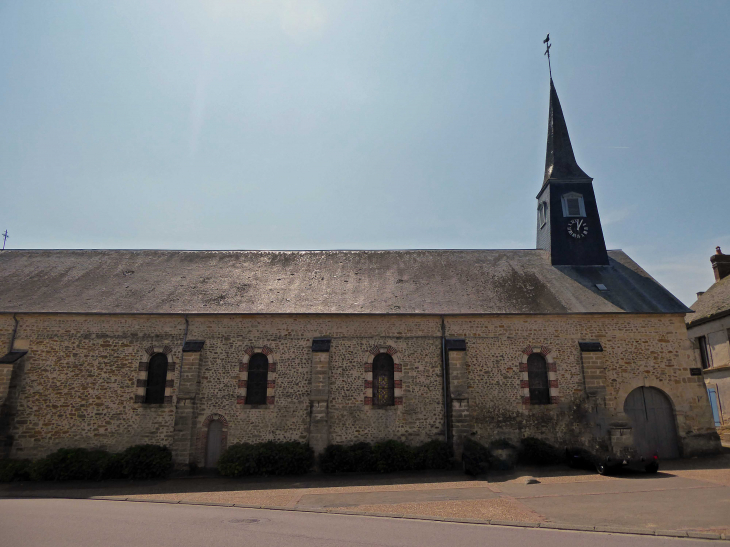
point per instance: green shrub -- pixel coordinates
(137, 462)
(143, 461)
(269, 458)
(503, 454)
(384, 457)
(433, 455)
(239, 460)
(69, 464)
(475, 458)
(393, 456)
(538, 452)
(364, 458)
(14, 470)
(286, 458)
(336, 457)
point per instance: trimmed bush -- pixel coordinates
(73, 464)
(475, 458)
(144, 461)
(393, 456)
(14, 470)
(269, 458)
(535, 451)
(337, 457)
(384, 457)
(503, 454)
(433, 455)
(364, 458)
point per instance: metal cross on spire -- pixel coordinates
(547, 52)
(5, 238)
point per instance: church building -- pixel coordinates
(197, 350)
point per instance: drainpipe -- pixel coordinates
(185, 339)
(15, 332)
(447, 399)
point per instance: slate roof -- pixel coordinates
(714, 304)
(560, 161)
(304, 282)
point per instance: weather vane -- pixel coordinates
(547, 52)
(5, 238)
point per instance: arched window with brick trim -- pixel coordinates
(383, 380)
(258, 371)
(156, 379)
(537, 375)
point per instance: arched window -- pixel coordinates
(156, 379)
(542, 213)
(383, 381)
(258, 374)
(537, 375)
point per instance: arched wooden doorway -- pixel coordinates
(652, 418)
(214, 443)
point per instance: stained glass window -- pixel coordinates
(383, 383)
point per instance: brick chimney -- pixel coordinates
(720, 264)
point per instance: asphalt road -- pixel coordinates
(81, 523)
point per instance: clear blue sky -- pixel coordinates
(366, 125)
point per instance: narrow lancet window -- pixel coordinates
(383, 380)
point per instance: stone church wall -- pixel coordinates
(638, 350)
(78, 383)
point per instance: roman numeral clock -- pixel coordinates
(578, 228)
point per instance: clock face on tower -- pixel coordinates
(578, 228)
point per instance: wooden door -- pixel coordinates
(214, 444)
(652, 419)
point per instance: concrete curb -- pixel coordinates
(605, 529)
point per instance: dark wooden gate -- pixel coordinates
(652, 419)
(214, 444)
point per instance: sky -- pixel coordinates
(226, 124)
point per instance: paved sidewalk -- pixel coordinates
(685, 495)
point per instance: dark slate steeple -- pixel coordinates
(568, 225)
(560, 161)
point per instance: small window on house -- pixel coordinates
(156, 379)
(573, 205)
(383, 381)
(258, 376)
(537, 375)
(705, 353)
(542, 213)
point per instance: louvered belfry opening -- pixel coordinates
(156, 379)
(258, 375)
(383, 380)
(537, 375)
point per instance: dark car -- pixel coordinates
(605, 462)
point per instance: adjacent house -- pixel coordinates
(709, 330)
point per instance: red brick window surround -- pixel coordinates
(390, 397)
(257, 353)
(525, 380)
(154, 354)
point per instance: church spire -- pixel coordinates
(560, 164)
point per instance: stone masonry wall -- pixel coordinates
(81, 375)
(639, 350)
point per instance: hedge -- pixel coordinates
(535, 451)
(269, 458)
(14, 470)
(384, 457)
(146, 461)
